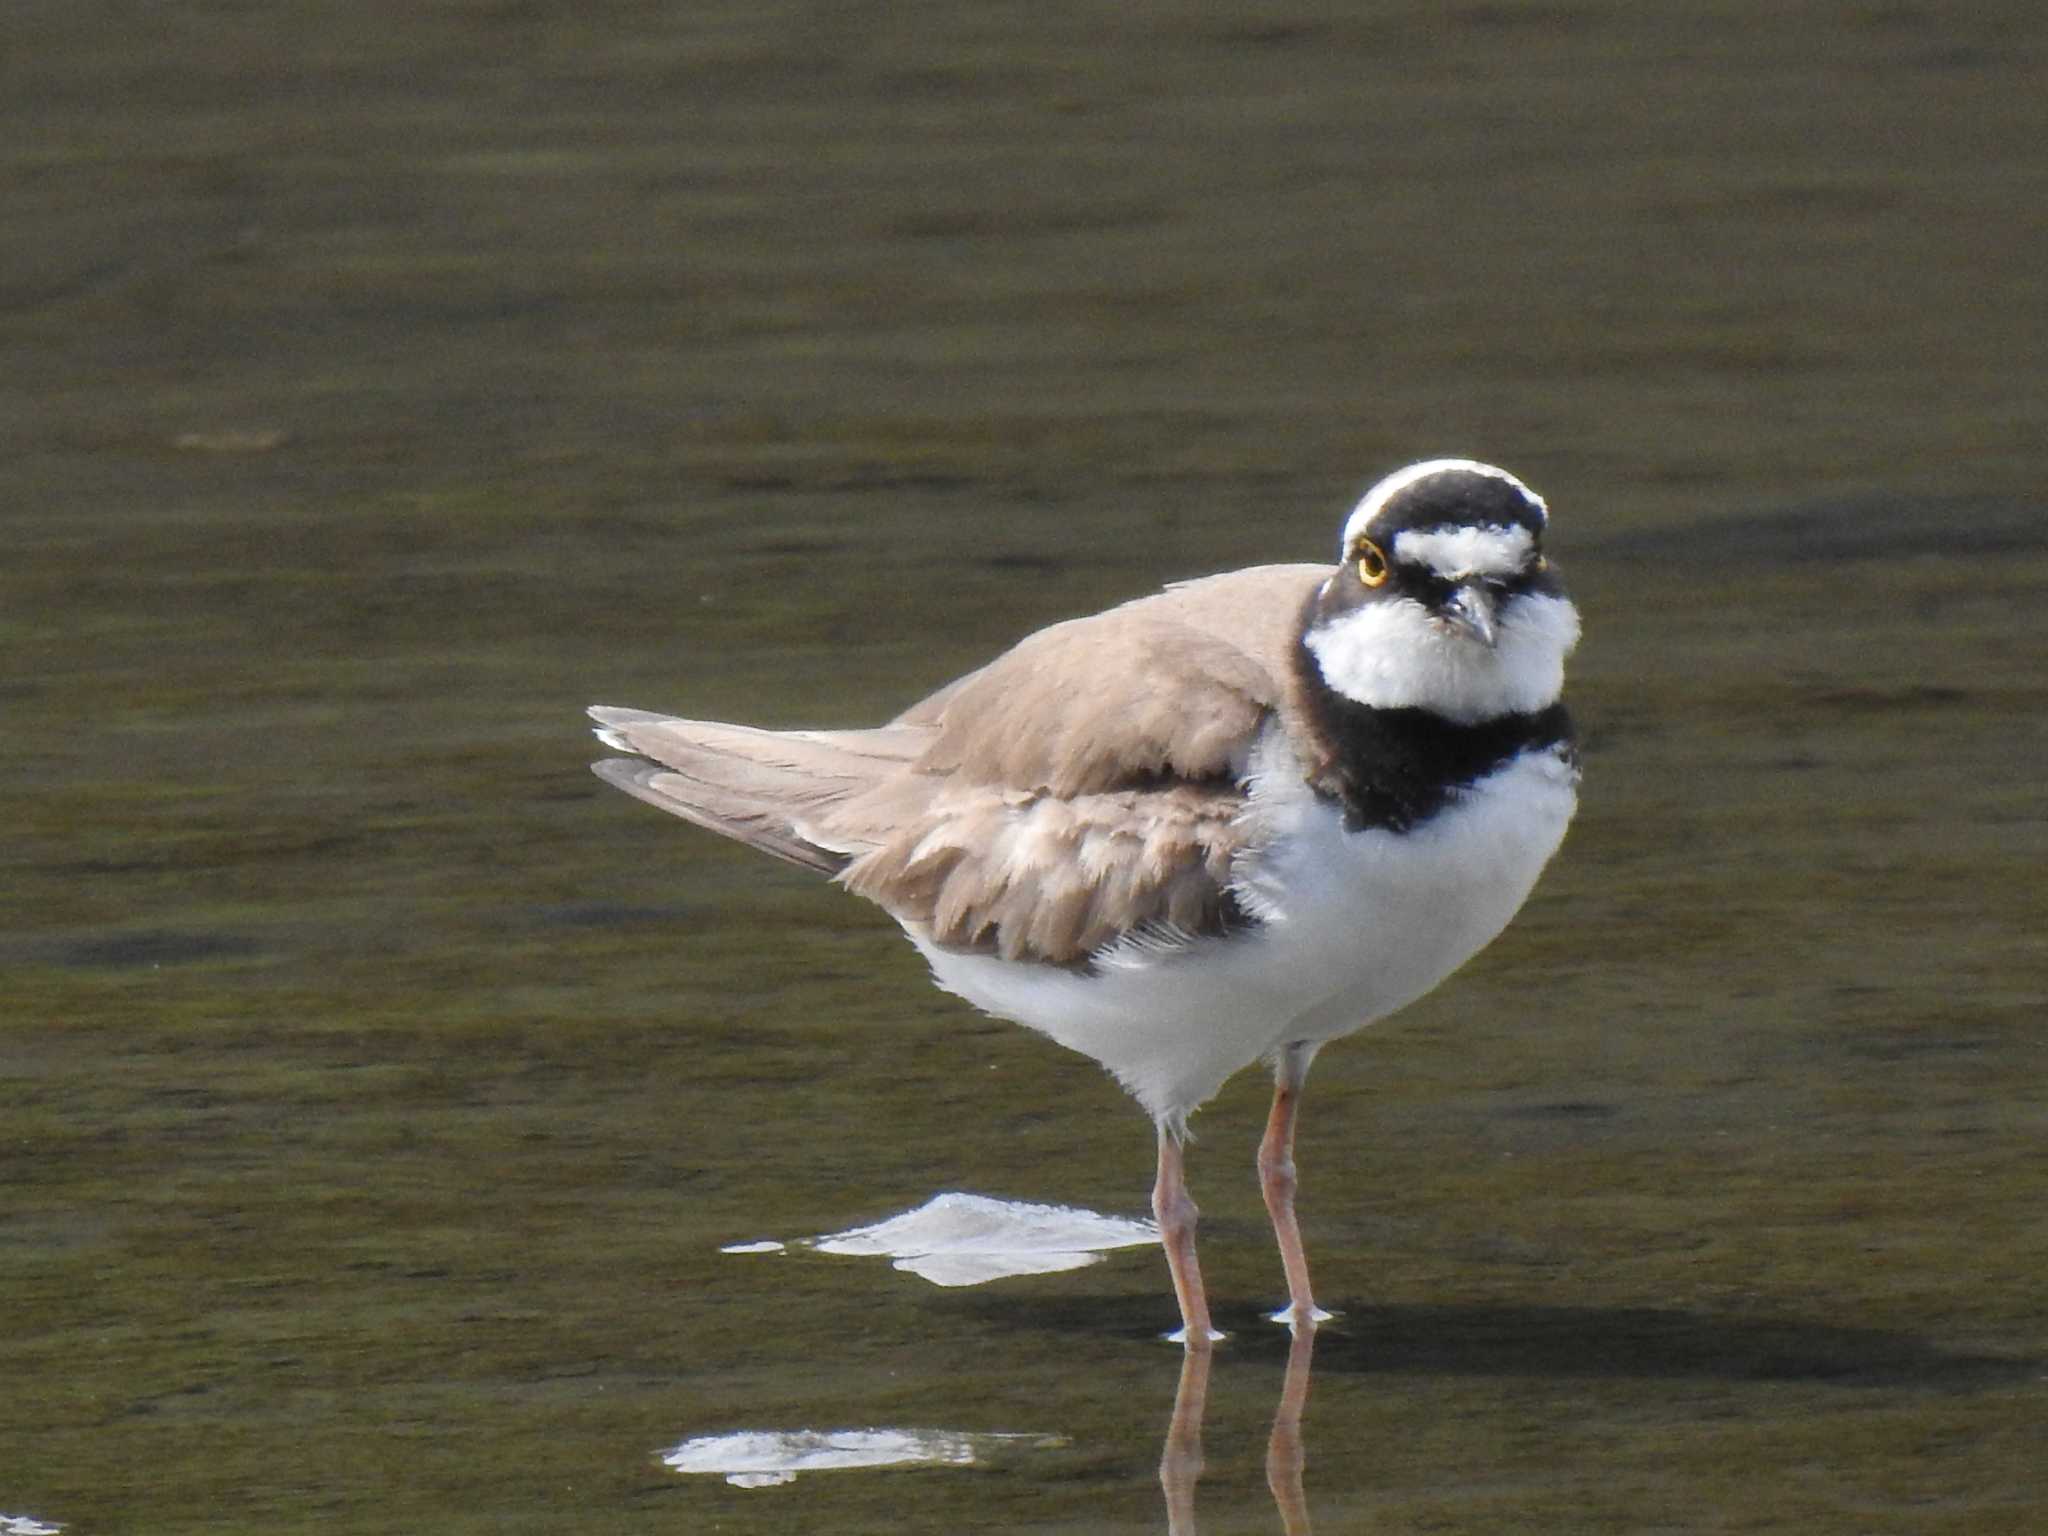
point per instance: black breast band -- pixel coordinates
(1396, 768)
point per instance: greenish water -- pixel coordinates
(385, 383)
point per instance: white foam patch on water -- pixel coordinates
(762, 1458)
(768, 1245)
(22, 1525)
(958, 1239)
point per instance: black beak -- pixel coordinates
(1470, 606)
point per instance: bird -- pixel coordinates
(1224, 823)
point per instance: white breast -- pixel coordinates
(1356, 925)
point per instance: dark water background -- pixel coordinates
(386, 381)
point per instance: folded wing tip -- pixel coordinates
(627, 773)
(612, 721)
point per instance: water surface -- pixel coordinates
(387, 383)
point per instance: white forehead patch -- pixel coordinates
(1457, 554)
(1370, 504)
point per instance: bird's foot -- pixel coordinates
(1299, 1317)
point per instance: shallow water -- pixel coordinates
(388, 383)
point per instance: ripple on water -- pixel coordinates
(769, 1458)
(961, 1239)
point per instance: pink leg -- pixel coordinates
(1277, 1181)
(1176, 1214)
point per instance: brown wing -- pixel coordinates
(1085, 785)
(1055, 878)
(1170, 686)
(758, 787)
(1081, 788)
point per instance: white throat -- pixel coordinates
(1394, 655)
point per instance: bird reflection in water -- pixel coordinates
(775, 1458)
(1180, 1463)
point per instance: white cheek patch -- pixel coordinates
(1456, 554)
(1393, 655)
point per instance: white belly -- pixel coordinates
(1357, 924)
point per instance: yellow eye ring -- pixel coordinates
(1372, 563)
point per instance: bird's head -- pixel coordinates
(1443, 598)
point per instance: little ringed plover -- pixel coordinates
(1226, 823)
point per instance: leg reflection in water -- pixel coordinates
(1285, 1455)
(1180, 1463)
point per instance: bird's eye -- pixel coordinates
(1372, 563)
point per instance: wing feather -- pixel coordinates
(1059, 879)
(1082, 790)
(759, 787)
(1172, 685)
